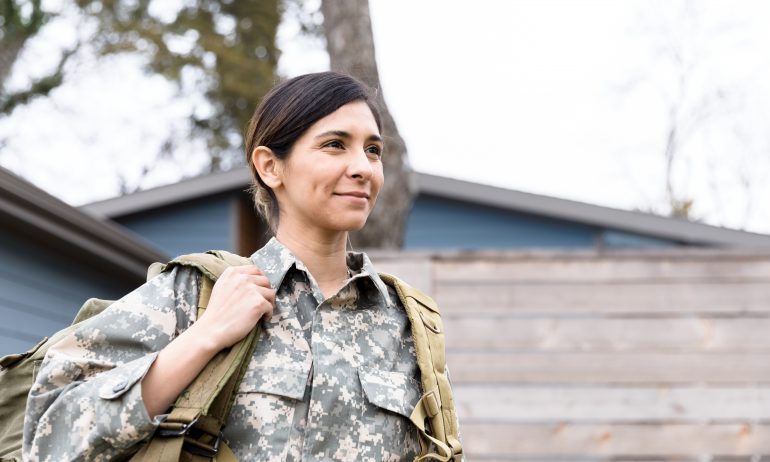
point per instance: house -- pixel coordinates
(574, 332)
(214, 211)
(53, 257)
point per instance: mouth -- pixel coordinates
(358, 194)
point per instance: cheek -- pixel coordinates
(378, 179)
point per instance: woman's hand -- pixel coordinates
(240, 298)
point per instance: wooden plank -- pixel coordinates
(469, 332)
(616, 458)
(582, 440)
(694, 404)
(417, 272)
(600, 270)
(605, 298)
(609, 368)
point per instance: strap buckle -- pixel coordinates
(194, 446)
(171, 429)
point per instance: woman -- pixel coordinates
(331, 330)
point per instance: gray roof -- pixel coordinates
(27, 209)
(630, 221)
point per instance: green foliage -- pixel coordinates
(228, 45)
(20, 19)
(40, 87)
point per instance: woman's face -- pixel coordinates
(333, 174)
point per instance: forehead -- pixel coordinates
(354, 117)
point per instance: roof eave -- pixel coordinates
(53, 222)
(563, 209)
(170, 194)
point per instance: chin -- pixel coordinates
(351, 224)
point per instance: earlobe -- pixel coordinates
(267, 165)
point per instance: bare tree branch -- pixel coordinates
(40, 87)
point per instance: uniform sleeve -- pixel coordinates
(86, 402)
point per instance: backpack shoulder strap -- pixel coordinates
(207, 401)
(436, 404)
(211, 264)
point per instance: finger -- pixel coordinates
(261, 303)
(246, 269)
(259, 280)
(267, 294)
(244, 277)
(267, 309)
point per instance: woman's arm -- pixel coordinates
(241, 296)
(87, 402)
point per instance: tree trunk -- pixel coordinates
(350, 44)
(10, 48)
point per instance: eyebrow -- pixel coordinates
(344, 134)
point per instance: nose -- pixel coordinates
(360, 166)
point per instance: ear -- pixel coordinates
(269, 167)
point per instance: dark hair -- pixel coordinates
(286, 112)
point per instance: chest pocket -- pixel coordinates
(261, 419)
(395, 391)
(289, 382)
(281, 361)
(391, 398)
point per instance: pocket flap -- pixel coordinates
(391, 390)
(282, 381)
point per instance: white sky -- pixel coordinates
(566, 98)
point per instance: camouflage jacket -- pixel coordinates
(330, 380)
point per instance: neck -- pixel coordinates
(323, 253)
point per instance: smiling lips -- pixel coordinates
(359, 194)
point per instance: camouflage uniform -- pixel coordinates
(332, 379)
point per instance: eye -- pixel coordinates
(374, 149)
(334, 144)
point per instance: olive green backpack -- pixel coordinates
(192, 431)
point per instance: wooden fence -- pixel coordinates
(589, 355)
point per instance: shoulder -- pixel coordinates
(144, 320)
(167, 303)
(178, 278)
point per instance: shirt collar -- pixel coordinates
(275, 260)
(361, 266)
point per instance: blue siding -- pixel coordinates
(433, 223)
(438, 223)
(193, 226)
(41, 291)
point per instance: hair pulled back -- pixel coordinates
(285, 114)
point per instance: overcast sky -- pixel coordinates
(567, 98)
